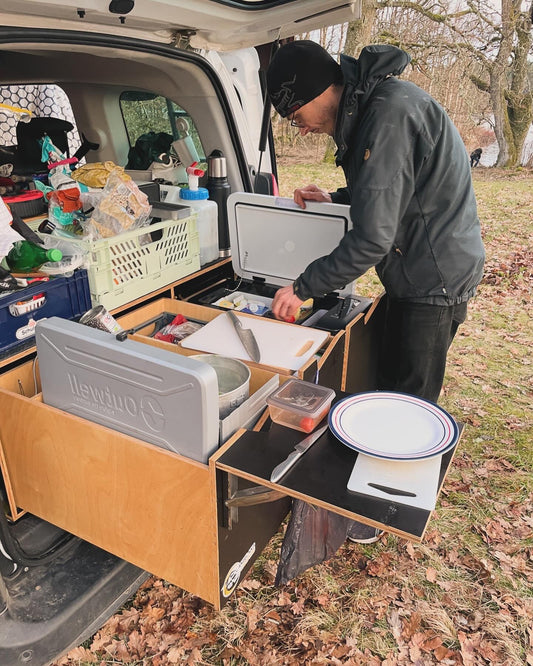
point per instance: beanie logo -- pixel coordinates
(293, 108)
(284, 100)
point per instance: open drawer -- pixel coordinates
(321, 477)
(152, 507)
(327, 367)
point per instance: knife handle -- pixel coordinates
(281, 469)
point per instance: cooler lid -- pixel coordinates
(273, 239)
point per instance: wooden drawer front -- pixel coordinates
(144, 504)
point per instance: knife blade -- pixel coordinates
(246, 336)
(298, 451)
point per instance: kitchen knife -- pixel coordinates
(298, 451)
(246, 336)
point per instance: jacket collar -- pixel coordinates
(361, 76)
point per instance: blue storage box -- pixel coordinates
(66, 297)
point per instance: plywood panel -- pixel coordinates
(146, 505)
(329, 369)
(362, 349)
(23, 379)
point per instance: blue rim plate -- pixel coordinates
(393, 426)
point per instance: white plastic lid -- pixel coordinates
(274, 240)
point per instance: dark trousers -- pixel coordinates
(415, 344)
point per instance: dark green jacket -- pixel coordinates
(409, 187)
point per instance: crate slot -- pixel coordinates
(18, 309)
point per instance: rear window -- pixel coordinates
(145, 112)
(43, 101)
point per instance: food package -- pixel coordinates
(178, 329)
(305, 309)
(122, 207)
(95, 174)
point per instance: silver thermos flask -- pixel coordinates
(219, 189)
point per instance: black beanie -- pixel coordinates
(299, 72)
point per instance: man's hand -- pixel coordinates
(311, 193)
(285, 304)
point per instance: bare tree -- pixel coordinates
(490, 46)
(508, 84)
(361, 32)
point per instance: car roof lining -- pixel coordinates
(97, 65)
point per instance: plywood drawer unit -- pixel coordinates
(152, 507)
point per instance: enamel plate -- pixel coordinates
(394, 426)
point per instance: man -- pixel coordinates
(412, 203)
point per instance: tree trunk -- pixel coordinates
(512, 102)
(359, 32)
(520, 97)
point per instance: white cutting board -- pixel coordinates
(280, 344)
(420, 477)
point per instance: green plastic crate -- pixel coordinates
(135, 263)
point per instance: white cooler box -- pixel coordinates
(272, 241)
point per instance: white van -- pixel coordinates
(115, 62)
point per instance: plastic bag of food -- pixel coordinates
(178, 329)
(95, 174)
(122, 207)
(313, 535)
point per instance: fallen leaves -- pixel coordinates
(511, 270)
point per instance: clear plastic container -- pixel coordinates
(207, 221)
(300, 405)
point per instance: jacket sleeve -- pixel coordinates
(382, 189)
(341, 196)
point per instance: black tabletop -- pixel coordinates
(322, 474)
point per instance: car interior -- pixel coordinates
(95, 78)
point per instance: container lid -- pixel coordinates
(216, 165)
(54, 254)
(30, 195)
(273, 239)
(153, 394)
(301, 397)
(191, 195)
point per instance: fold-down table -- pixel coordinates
(321, 476)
